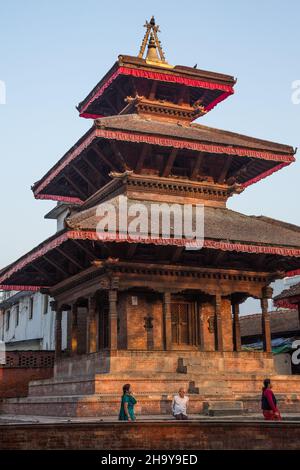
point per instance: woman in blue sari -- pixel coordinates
(127, 404)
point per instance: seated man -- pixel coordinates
(179, 405)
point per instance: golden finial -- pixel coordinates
(154, 51)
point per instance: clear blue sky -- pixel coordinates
(53, 53)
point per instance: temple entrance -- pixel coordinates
(182, 316)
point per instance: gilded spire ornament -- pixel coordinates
(155, 52)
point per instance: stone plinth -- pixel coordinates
(91, 385)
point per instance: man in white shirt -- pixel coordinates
(179, 405)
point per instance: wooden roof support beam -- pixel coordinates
(240, 172)
(93, 167)
(103, 157)
(56, 266)
(177, 254)
(224, 169)
(143, 155)
(44, 273)
(84, 248)
(84, 177)
(153, 89)
(170, 162)
(70, 258)
(131, 250)
(197, 166)
(119, 155)
(75, 186)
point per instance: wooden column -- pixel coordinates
(265, 318)
(58, 331)
(237, 346)
(74, 329)
(201, 341)
(167, 321)
(92, 326)
(218, 323)
(113, 319)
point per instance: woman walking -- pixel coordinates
(269, 402)
(127, 404)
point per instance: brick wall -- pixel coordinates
(152, 435)
(20, 368)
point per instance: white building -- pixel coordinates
(26, 319)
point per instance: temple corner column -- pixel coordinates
(58, 328)
(218, 322)
(237, 344)
(267, 293)
(113, 319)
(92, 326)
(167, 318)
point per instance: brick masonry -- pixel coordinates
(152, 435)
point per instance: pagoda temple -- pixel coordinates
(153, 312)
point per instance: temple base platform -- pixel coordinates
(91, 385)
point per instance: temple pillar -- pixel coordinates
(74, 329)
(265, 317)
(167, 321)
(113, 319)
(237, 346)
(218, 323)
(58, 329)
(92, 326)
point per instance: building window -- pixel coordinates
(31, 308)
(45, 304)
(17, 314)
(7, 319)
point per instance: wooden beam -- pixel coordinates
(177, 254)
(224, 169)
(70, 258)
(153, 90)
(103, 157)
(131, 250)
(84, 177)
(56, 266)
(89, 253)
(170, 162)
(118, 154)
(93, 167)
(143, 155)
(44, 273)
(74, 186)
(198, 162)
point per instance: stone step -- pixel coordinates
(223, 408)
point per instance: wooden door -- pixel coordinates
(180, 317)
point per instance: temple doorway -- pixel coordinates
(183, 319)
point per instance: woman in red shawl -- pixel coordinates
(269, 402)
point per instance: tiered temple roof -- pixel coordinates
(143, 144)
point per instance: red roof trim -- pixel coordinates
(167, 142)
(92, 235)
(55, 197)
(265, 174)
(69, 157)
(284, 303)
(163, 77)
(22, 288)
(192, 145)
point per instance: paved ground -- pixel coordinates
(27, 419)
